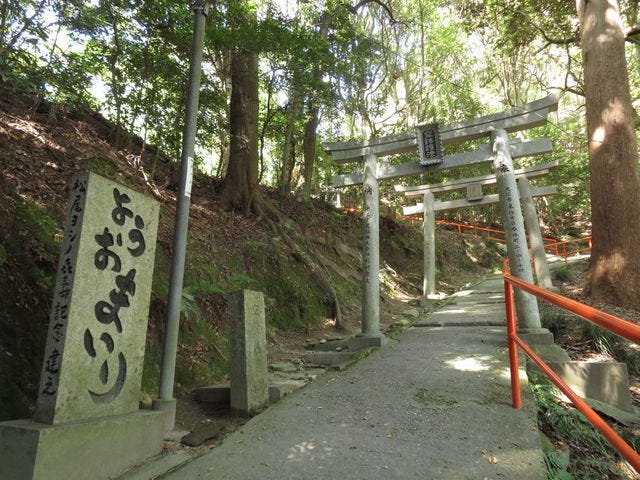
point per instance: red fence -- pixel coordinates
(609, 322)
(563, 249)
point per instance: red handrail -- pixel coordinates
(559, 249)
(614, 324)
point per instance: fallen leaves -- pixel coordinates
(491, 459)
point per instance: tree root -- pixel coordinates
(265, 209)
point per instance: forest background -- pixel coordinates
(281, 77)
(327, 71)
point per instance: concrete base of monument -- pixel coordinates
(536, 336)
(551, 288)
(363, 341)
(603, 385)
(168, 410)
(432, 297)
(606, 384)
(222, 393)
(89, 450)
(327, 359)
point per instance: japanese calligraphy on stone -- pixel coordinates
(95, 349)
(429, 144)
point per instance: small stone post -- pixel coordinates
(535, 236)
(248, 338)
(519, 261)
(429, 251)
(371, 250)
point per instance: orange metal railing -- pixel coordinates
(570, 247)
(614, 324)
(551, 245)
(462, 228)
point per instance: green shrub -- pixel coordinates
(562, 273)
(594, 457)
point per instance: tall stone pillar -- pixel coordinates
(429, 250)
(519, 261)
(536, 243)
(371, 250)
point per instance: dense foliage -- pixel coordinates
(366, 69)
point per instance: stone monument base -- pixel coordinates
(89, 450)
(364, 341)
(536, 336)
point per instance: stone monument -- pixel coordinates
(249, 382)
(87, 424)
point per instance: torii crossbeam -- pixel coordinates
(475, 197)
(516, 119)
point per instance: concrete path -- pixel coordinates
(433, 404)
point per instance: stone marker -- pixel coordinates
(248, 338)
(95, 347)
(92, 369)
(474, 192)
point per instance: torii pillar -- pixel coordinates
(536, 243)
(519, 260)
(371, 250)
(429, 250)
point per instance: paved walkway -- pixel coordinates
(433, 404)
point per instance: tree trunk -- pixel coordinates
(240, 183)
(288, 153)
(313, 112)
(614, 274)
(309, 148)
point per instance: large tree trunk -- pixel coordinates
(614, 275)
(313, 112)
(240, 188)
(288, 151)
(241, 181)
(309, 148)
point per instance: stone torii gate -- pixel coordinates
(520, 118)
(475, 197)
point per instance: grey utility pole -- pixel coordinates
(165, 401)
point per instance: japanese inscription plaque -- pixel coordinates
(93, 360)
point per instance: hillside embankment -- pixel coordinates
(42, 147)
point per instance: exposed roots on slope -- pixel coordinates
(300, 249)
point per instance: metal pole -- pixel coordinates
(514, 366)
(165, 399)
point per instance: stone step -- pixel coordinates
(157, 466)
(328, 358)
(222, 393)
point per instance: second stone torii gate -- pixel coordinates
(430, 205)
(516, 119)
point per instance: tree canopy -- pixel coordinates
(329, 70)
